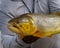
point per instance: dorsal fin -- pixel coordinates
(56, 13)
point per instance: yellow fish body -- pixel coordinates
(39, 25)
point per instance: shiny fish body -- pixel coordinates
(39, 25)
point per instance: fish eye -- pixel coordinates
(17, 21)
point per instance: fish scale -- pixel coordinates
(39, 25)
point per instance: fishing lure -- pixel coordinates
(38, 25)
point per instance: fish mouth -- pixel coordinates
(13, 28)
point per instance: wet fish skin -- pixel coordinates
(39, 25)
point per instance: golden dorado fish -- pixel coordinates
(39, 25)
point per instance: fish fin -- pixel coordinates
(56, 13)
